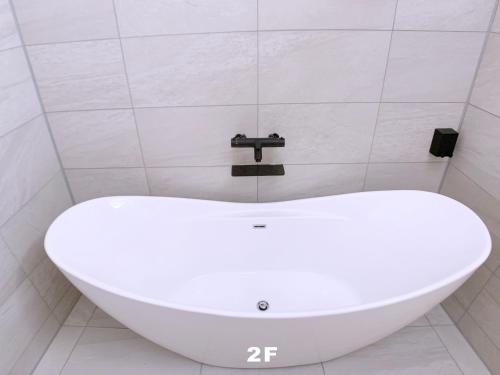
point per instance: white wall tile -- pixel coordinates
(27, 149)
(96, 139)
(305, 181)
(326, 14)
(18, 99)
(496, 23)
(24, 232)
(453, 15)
(477, 153)
(406, 176)
(195, 136)
(319, 133)
(458, 186)
(404, 130)
(83, 75)
(50, 282)
(431, 66)
(405, 352)
(93, 183)
(150, 17)
(319, 66)
(9, 37)
(215, 183)
(21, 316)
(486, 93)
(207, 69)
(27, 362)
(11, 274)
(49, 21)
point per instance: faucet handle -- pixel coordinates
(274, 135)
(239, 136)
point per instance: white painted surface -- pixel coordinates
(339, 272)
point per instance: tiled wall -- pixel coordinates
(143, 96)
(474, 178)
(34, 297)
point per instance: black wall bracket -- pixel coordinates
(443, 142)
(273, 140)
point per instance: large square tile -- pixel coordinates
(11, 273)
(195, 136)
(153, 17)
(486, 92)
(49, 21)
(413, 350)
(83, 75)
(215, 183)
(28, 149)
(452, 15)
(306, 181)
(96, 139)
(404, 130)
(18, 99)
(319, 133)
(9, 37)
(184, 70)
(322, 66)
(477, 152)
(326, 14)
(123, 352)
(94, 183)
(431, 66)
(405, 176)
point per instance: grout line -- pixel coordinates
(473, 82)
(323, 368)
(131, 100)
(10, 48)
(20, 126)
(374, 132)
(39, 96)
(446, 347)
(258, 92)
(484, 110)
(242, 105)
(230, 164)
(72, 350)
(163, 35)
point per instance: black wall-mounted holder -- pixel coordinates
(443, 142)
(273, 140)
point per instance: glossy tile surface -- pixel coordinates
(204, 69)
(9, 37)
(326, 14)
(452, 15)
(321, 66)
(80, 75)
(96, 139)
(431, 66)
(150, 17)
(50, 21)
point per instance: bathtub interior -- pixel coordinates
(314, 255)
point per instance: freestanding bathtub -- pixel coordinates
(337, 273)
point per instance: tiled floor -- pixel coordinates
(91, 342)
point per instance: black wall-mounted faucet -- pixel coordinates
(241, 140)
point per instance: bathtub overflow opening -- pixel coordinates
(259, 226)
(262, 305)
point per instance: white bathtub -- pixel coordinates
(338, 272)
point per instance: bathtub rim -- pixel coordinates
(464, 273)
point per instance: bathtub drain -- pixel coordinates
(262, 305)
